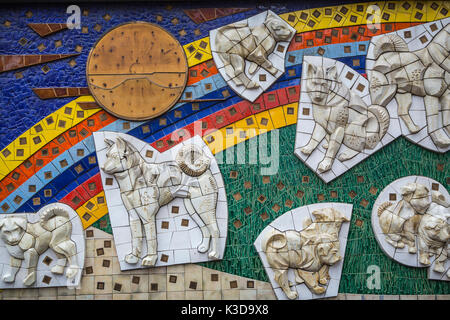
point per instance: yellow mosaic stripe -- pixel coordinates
(198, 51)
(41, 133)
(251, 126)
(356, 14)
(341, 16)
(92, 210)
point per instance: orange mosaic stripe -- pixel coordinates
(53, 149)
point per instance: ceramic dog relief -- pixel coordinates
(250, 53)
(410, 219)
(408, 72)
(303, 250)
(343, 118)
(165, 208)
(337, 126)
(43, 249)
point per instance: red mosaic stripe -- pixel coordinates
(231, 114)
(48, 152)
(84, 192)
(325, 37)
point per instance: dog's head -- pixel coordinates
(328, 252)
(278, 28)
(417, 195)
(120, 156)
(12, 229)
(319, 81)
(436, 228)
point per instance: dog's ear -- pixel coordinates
(332, 73)
(21, 222)
(108, 142)
(311, 70)
(121, 145)
(408, 190)
(2, 222)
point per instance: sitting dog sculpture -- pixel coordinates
(416, 216)
(309, 252)
(399, 73)
(145, 187)
(237, 42)
(26, 241)
(399, 224)
(341, 116)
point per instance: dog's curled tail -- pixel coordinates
(192, 160)
(53, 211)
(383, 207)
(273, 239)
(389, 42)
(382, 116)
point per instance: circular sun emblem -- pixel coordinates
(137, 71)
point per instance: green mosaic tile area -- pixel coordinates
(299, 186)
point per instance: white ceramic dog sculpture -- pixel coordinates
(145, 187)
(26, 241)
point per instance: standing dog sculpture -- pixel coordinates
(237, 42)
(145, 187)
(309, 252)
(400, 73)
(341, 116)
(26, 241)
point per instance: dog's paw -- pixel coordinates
(319, 290)
(29, 279)
(213, 255)
(8, 278)
(131, 259)
(57, 269)
(439, 267)
(71, 272)
(323, 281)
(150, 260)
(325, 165)
(292, 295)
(252, 85)
(204, 245)
(424, 260)
(307, 150)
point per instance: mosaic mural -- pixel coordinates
(176, 151)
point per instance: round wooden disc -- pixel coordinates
(137, 71)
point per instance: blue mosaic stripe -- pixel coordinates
(158, 131)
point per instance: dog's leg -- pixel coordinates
(404, 101)
(324, 276)
(14, 266)
(209, 217)
(423, 252)
(445, 103)
(66, 251)
(335, 143)
(206, 235)
(311, 281)
(317, 136)
(409, 236)
(148, 215)
(30, 259)
(238, 64)
(58, 268)
(136, 238)
(437, 134)
(439, 264)
(281, 277)
(150, 234)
